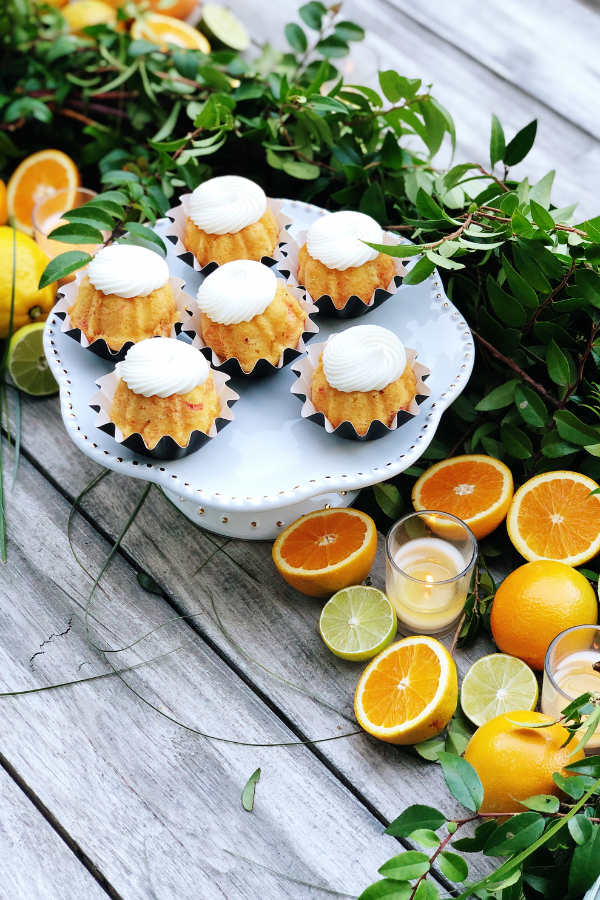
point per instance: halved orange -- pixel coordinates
(164, 30)
(326, 550)
(553, 516)
(408, 693)
(38, 176)
(477, 489)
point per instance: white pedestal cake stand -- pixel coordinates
(270, 466)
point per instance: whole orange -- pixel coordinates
(535, 603)
(515, 762)
(179, 9)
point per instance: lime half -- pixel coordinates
(221, 27)
(27, 363)
(358, 623)
(497, 684)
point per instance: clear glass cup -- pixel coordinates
(47, 215)
(429, 560)
(569, 672)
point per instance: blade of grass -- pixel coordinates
(17, 397)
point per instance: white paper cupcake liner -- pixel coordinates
(167, 447)
(305, 368)
(179, 214)
(67, 295)
(287, 263)
(262, 367)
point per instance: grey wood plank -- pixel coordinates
(118, 776)
(545, 47)
(274, 625)
(464, 81)
(35, 864)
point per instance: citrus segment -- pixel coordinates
(165, 30)
(497, 684)
(535, 603)
(221, 26)
(38, 176)
(178, 9)
(326, 550)
(27, 364)
(477, 489)
(408, 693)
(553, 516)
(515, 762)
(358, 623)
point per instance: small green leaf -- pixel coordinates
(426, 890)
(581, 829)
(453, 866)
(462, 780)
(585, 866)
(113, 208)
(389, 499)
(388, 889)
(91, 215)
(119, 177)
(531, 406)
(429, 749)
(500, 397)
(395, 87)
(574, 430)
(249, 791)
(78, 233)
(349, 31)
(521, 144)
(426, 838)
(420, 272)
(406, 866)
(515, 835)
(312, 15)
(541, 217)
(558, 364)
(506, 307)
(146, 233)
(522, 291)
(530, 270)
(333, 47)
(589, 766)
(553, 446)
(416, 817)
(516, 442)
(544, 803)
(63, 265)
(476, 843)
(497, 141)
(296, 37)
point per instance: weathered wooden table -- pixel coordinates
(101, 794)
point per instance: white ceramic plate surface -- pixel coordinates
(269, 457)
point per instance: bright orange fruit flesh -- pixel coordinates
(36, 177)
(323, 541)
(558, 519)
(415, 667)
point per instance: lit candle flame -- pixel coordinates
(429, 579)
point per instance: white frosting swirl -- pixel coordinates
(237, 291)
(227, 204)
(127, 271)
(160, 367)
(363, 358)
(337, 240)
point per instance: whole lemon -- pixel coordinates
(31, 303)
(535, 603)
(84, 13)
(515, 762)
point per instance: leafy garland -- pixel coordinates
(149, 124)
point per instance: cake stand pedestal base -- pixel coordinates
(258, 526)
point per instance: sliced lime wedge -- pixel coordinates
(358, 623)
(27, 363)
(221, 27)
(497, 684)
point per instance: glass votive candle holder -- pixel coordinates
(429, 560)
(47, 215)
(569, 672)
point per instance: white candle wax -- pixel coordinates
(423, 603)
(575, 676)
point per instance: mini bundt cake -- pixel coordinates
(336, 261)
(229, 219)
(249, 314)
(165, 387)
(125, 296)
(363, 375)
